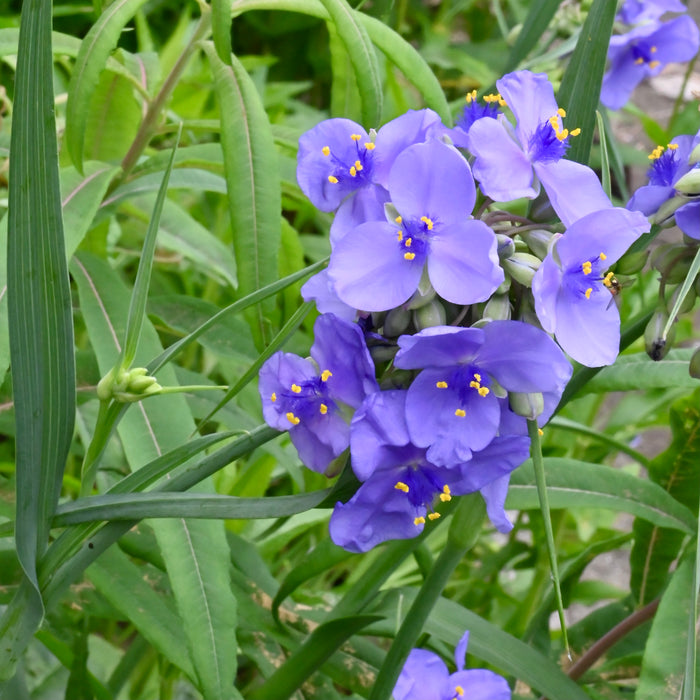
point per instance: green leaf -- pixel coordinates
(345, 96)
(572, 483)
(580, 87)
(123, 584)
(535, 24)
(677, 472)
(252, 177)
(604, 157)
(221, 28)
(39, 319)
(361, 53)
(96, 47)
(663, 664)
(195, 552)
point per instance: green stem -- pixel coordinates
(463, 534)
(106, 420)
(538, 462)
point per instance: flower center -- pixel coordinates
(550, 141)
(664, 165)
(464, 381)
(305, 399)
(354, 168)
(413, 238)
(473, 110)
(420, 484)
(583, 280)
(644, 53)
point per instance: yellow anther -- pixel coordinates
(588, 292)
(575, 132)
(561, 112)
(353, 172)
(607, 280)
(326, 151)
(355, 137)
(484, 391)
(296, 388)
(441, 385)
(654, 64)
(326, 375)
(446, 495)
(323, 409)
(370, 146)
(408, 242)
(409, 256)
(428, 222)
(477, 376)
(653, 49)
(332, 179)
(540, 432)
(561, 135)
(673, 146)
(273, 398)
(587, 267)
(399, 236)
(603, 256)
(293, 419)
(459, 690)
(398, 219)
(474, 385)
(419, 521)
(358, 166)
(502, 102)
(471, 96)
(433, 516)
(460, 413)
(401, 486)
(639, 61)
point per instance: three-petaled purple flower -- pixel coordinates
(510, 163)
(401, 484)
(426, 677)
(572, 291)
(635, 11)
(453, 406)
(643, 52)
(379, 265)
(667, 167)
(488, 107)
(313, 399)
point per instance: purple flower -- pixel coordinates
(643, 52)
(378, 265)
(667, 167)
(338, 157)
(572, 292)
(320, 289)
(401, 484)
(453, 406)
(489, 107)
(635, 11)
(426, 677)
(310, 398)
(511, 163)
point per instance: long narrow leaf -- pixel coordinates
(535, 25)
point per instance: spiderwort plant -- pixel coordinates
(512, 162)
(379, 265)
(573, 291)
(425, 676)
(637, 11)
(314, 399)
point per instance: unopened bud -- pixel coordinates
(673, 261)
(527, 405)
(694, 366)
(632, 263)
(506, 247)
(498, 308)
(694, 155)
(538, 241)
(689, 184)
(396, 322)
(423, 295)
(522, 267)
(432, 314)
(655, 344)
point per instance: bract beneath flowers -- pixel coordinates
(309, 398)
(572, 290)
(378, 265)
(425, 677)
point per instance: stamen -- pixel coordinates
(540, 432)
(471, 96)
(561, 112)
(326, 375)
(459, 690)
(433, 516)
(653, 49)
(370, 146)
(673, 146)
(639, 61)
(445, 495)
(398, 219)
(399, 235)
(358, 166)
(296, 388)
(409, 256)
(575, 132)
(657, 153)
(408, 242)
(588, 292)
(323, 409)
(563, 134)
(293, 419)
(477, 376)
(441, 385)
(654, 64)
(607, 280)
(460, 413)
(273, 398)
(484, 391)
(401, 486)
(353, 172)
(603, 256)
(474, 385)
(332, 179)
(419, 521)
(587, 267)
(428, 222)
(326, 151)
(355, 137)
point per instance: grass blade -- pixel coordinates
(535, 25)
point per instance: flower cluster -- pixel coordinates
(449, 300)
(426, 677)
(647, 47)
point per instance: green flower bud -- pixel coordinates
(694, 366)
(527, 405)
(498, 308)
(632, 263)
(538, 241)
(689, 184)
(656, 346)
(432, 314)
(694, 155)
(506, 247)
(423, 295)
(522, 267)
(673, 261)
(396, 322)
